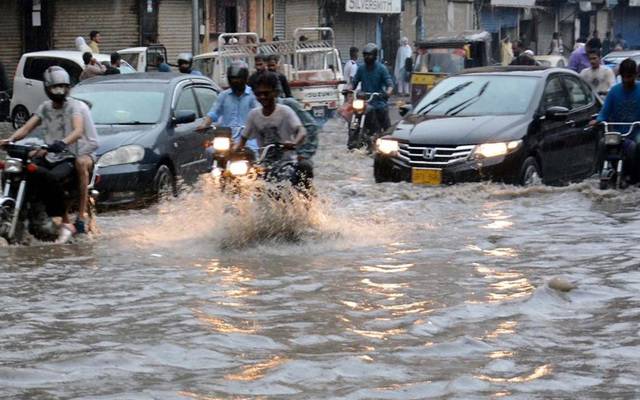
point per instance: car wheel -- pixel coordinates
(530, 172)
(165, 183)
(380, 173)
(20, 117)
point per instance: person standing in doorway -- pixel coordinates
(506, 51)
(351, 66)
(402, 78)
(556, 47)
(95, 39)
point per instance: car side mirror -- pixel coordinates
(557, 113)
(405, 109)
(183, 117)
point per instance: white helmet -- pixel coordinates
(56, 76)
(185, 57)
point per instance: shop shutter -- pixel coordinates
(354, 29)
(495, 18)
(627, 22)
(280, 17)
(174, 27)
(116, 20)
(10, 31)
(301, 14)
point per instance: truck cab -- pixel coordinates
(144, 59)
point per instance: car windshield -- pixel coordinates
(479, 95)
(123, 104)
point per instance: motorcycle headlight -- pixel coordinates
(221, 144)
(122, 155)
(239, 168)
(13, 166)
(488, 150)
(387, 146)
(358, 104)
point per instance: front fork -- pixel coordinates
(18, 206)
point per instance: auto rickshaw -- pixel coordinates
(444, 55)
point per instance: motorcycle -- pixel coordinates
(20, 210)
(362, 133)
(222, 151)
(613, 174)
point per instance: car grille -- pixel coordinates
(425, 156)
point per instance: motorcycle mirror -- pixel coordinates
(405, 109)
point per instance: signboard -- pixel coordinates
(514, 3)
(374, 6)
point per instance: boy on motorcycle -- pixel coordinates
(234, 104)
(67, 126)
(275, 124)
(623, 105)
(374, 78)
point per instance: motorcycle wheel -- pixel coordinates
(604, 184)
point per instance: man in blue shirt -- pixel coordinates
(233, 105)
(623, 105)
(374, 78)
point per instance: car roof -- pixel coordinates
(167, 78)
(626, 53)
(133, 50)
(206, 55)
(521, 70)
(67, 54)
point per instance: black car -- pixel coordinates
(146, 127)
(511, 124)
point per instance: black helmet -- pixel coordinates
(238, 69)
(370, 48)
(185, 58)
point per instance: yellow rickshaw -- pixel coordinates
(444, 55)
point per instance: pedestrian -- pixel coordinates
(114, 68)
(81, 45)
(556, 47)
(599, 77)
(261, 67)
(596, 43)
(272, 66)
(506, 51)
(91, 67)
(351, 66)
(94, 40)
(607, 44)
(402, 81)
(421, 63)
(162, 65)
(620, 42)
(579, 59)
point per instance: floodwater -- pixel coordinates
(385, 291)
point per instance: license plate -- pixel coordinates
(318, 112)
(426, 176)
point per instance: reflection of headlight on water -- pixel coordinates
(216, 172)
(239, 168)
(358, 104)
(221, 144)
(488, 150)
(387, 146)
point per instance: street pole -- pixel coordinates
(195, 32)
(419, 20)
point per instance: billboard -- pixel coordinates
(374, 6)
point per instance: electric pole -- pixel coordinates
(420, 20)
(195, 31)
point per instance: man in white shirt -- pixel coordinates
(351, 66)
(599, 77)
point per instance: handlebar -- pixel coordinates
(631, 126)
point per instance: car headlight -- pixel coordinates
(122, 155)
(387, 146)
(221, 144)
(358, 104)
(488, 150)
(239, 168)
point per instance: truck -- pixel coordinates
(310, 61)
(144, 59)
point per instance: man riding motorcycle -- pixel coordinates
(67, 126)
(234, 104)
(622, 104)
(374, 78)
(276, 124)
(185, 62)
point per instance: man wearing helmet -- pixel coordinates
(185, 62)
(67, 126)
(233, 105)
(374, 78)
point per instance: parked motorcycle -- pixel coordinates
(21, 211)
(362, 133)
(613, 174)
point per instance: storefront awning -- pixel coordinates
(374, 6)
(514, 3)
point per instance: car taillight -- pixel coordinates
(1, 164)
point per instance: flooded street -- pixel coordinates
(388, 291)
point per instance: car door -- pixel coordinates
(583, 143)
(185, 138)
(206, 96)
(554, 134)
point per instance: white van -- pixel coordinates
(28, 87)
